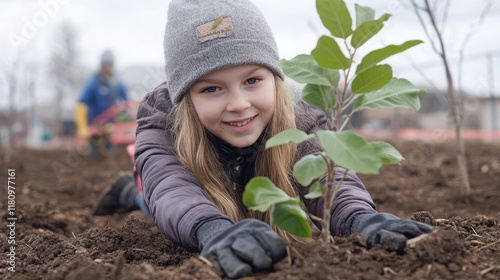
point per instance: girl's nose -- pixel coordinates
(238, 101)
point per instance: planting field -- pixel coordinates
(56, 237)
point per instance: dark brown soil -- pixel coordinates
(58, 238)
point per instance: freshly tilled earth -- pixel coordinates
(58, 238)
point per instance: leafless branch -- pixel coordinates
(19, 79)
(64, 69)
(472, 30)
(422, 74)
(418, 11)
(444, 20)
(456, 105)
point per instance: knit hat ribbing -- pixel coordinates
(202, 36)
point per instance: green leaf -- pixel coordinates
(260, 194)
(363, 14)
(367, 30)
(387, 152)
(377, 56)
(315, 191)
(288, 136)
(351, 151)
(309, 168)
(217, 22)
(396, 93)
(304, 69)
(291, 218)
(372, 79)
(335, 17)
(364, 32)
(384, 18)
(322, 97)
(328, 54)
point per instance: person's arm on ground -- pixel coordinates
(174, 196)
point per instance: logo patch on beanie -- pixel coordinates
(219, 28)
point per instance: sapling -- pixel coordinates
(340, 87)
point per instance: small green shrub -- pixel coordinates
(371, 85)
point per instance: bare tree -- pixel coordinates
(434, 23)
(64, 69)
(20, 79)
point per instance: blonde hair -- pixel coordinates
(196, 153)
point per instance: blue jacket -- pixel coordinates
(99, 95)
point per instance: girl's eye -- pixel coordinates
(209, 89)
(252, 81)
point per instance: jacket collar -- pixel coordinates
(228, 152)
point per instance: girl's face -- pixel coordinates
(236, 103)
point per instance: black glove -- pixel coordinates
(243, 247)
(387, 230)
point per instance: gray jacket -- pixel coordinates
(174, 195)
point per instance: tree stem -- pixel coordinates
(456, 106)
(327, 201)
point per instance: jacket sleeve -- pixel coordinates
(173, 194)
(352, 195)
(87, 95)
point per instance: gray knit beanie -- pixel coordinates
(206, 35)
(107, 58)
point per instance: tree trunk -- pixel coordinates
(457, 113)
(455, 104)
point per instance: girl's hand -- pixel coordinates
(388, 231)
(247, 246)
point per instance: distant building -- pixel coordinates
(489, 113)
(479, 114)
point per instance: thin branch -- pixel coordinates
(350, 100)
(344, 124)
(472, 30)
(422, 74)
(445, 15)
(487, 246)
(455, 105)
(337, 187)
(427, 79)
(441, 53)
(484, 271)
(418, 9)
(434, 6)
(327, 198)
(415, 5)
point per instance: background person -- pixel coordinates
(101, 91)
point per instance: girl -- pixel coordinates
(200, 139)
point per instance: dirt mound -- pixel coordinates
(58, 238)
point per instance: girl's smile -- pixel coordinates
(241, 125)
(235, 103)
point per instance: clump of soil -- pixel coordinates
(58, 238)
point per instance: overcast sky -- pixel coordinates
(133, 29)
